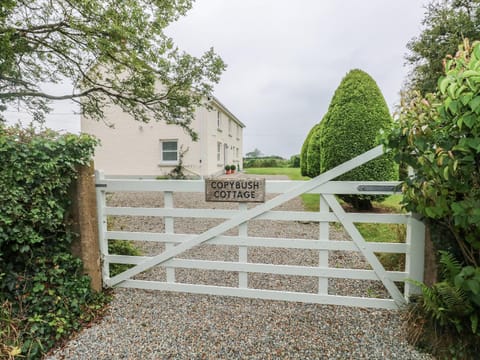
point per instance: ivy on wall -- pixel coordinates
(41, 283)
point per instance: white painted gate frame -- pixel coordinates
(413, 248)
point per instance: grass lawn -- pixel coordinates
(310, 201)
(292, 173)
(371, 232)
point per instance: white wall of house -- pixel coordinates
(227, 140)
(133, 148)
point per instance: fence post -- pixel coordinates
(102, 222)
(243, 250)
(169, 229)
(84, 223)
(415, 257)
(323, 254)
(431, 266)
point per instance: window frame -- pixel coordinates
(162, 151)
(219, 120)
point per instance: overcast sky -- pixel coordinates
(286, 58)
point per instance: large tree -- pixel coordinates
(254, 154)
(446, 24)
(111, 51)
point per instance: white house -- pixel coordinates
(153, 149)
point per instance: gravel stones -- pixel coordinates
(158, 325)
(143, 324)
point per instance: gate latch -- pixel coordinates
(379, 188)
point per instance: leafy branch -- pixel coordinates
(112, 53)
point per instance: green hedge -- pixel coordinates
(313, 152)
(267, 161)
(304, 152)
(294, 161)
(356, 115)
(41, 283)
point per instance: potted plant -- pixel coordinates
(227, 169)
(232, 168)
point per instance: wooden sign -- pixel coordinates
(235, 190)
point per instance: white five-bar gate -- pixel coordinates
(330, 211)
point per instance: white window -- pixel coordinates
(219, 151)
(219, 123)
(230, 127)
(169, 152)
(226, 155)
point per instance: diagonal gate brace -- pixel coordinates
(365, 250)
(246, 216)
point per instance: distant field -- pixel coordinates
(292, 173)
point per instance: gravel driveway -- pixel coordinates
(144, 324)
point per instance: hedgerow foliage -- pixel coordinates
(43, 293)
(265, 161)
(294, 161)
(439, 137)
(356, 115)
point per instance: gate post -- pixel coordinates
(84, 223)
(415, 256)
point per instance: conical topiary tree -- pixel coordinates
(356, 114)
(304, 153)
(313, 152)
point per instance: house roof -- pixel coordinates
(222, 107)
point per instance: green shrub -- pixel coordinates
(444, 319)
(439, 137)
(304, 152)
(294, 161)
(313, 152)
(10, 345)
(121, 247)
(263, 162)
(55, 299)
(356, 115)
(48, 295)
